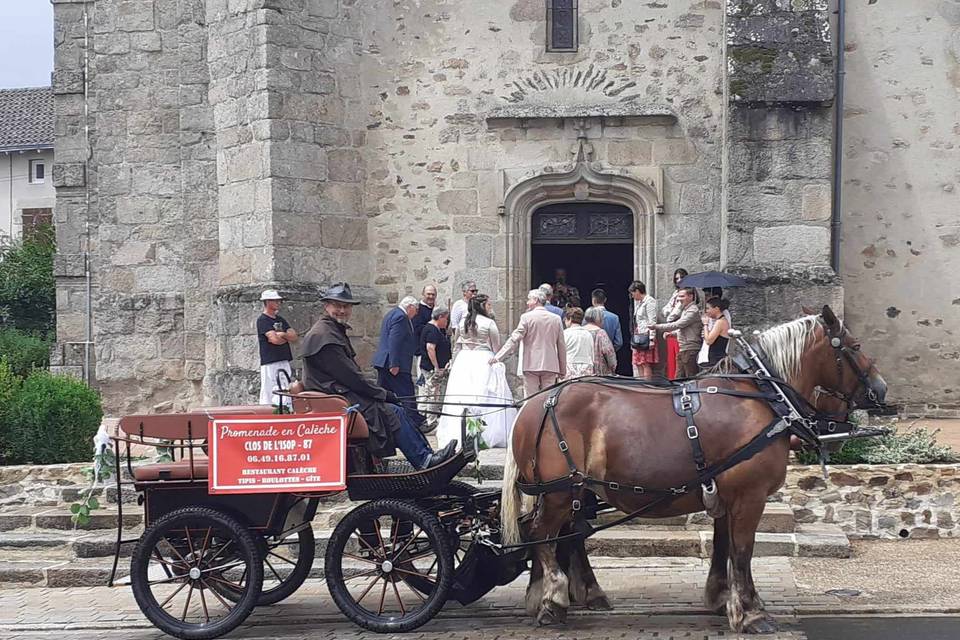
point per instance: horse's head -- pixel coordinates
(843, 371)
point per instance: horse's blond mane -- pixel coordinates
(782, 346)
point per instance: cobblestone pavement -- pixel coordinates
(653, 598)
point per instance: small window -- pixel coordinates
(33, 219)
(37, 171)
(562, 25)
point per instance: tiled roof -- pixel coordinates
(26, 118)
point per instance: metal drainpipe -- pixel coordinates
(88, 338)
(10, 190)
(835, 222)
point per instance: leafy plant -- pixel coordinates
(24, 351)
(51, 419)
(9, 386)
(913, 446)
(475, 440)
(104, 463)
(27, 286)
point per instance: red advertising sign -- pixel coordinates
(278, 454)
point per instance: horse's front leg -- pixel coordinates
(745, 610)
(718, 592)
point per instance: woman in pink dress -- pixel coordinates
(644, 315)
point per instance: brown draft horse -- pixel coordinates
(633, 436)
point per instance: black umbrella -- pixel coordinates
(712, 279)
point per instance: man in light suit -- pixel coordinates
(544, 358)
(394, 357)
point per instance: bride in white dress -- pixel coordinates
(473, 379)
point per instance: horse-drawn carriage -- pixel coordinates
(206, 559)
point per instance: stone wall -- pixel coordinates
(878, 501)
(462, 96)
(901, 233)
(779, 146)
(150, 227)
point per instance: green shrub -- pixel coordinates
(27, 286)
(914, 446)
(23, 351)
(51, 419)
(9, 385)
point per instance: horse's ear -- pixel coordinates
(807, 311)
(829, 317)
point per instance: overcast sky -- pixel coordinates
(26, 43)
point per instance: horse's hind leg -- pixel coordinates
(717, 592)
(552, 513)
(745, 610)
(584, 588)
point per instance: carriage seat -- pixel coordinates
(319, 402)
(179, 470)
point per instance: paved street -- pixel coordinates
(654, 598)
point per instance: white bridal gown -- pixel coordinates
(473, 380)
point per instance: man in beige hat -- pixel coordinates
(275, 336)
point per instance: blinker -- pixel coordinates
(835, 343)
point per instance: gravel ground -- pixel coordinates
(912, 573)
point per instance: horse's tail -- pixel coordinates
(510, 500)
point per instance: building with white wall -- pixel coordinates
(26, 160)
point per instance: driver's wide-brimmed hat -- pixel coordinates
(339, 292)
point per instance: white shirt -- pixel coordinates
(457, 313)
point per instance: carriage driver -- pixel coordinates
(330, 366)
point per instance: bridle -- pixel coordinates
(844, 353)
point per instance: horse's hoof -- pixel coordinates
(599, 603)
(550, 614)
(761, 626)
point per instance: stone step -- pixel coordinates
(84, 560)
(59, 518)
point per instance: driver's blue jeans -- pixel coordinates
(409, 440)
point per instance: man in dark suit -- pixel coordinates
(394, 357)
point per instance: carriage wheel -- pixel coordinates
(462, 545)
(372, 556)
(179, 559)
(286, 564)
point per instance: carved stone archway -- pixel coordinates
(640, 189)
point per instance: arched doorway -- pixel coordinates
(594, 244)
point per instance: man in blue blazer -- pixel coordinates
(611, 321)
(394, 357)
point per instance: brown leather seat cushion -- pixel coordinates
(317, 402)
(235, 410)
(167, 426)
(179, 470)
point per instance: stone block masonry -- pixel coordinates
(208, 149)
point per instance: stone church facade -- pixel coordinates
(207, 149)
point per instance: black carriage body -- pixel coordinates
(265, 513)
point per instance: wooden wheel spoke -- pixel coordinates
(407, 544)
(376, 526)
(174, 549)
(403, 609)
(193, 553)
(417, 574)
(206, 539)
(186, 605)
(364, 543)
(234, 586)
(428, 552)
(353, 557)
(203, 601)
(383, 596)
(272, 570)
(214, 592)
(221, 550)
(170, 597)
(277, 555)
(169, 579)
(413, 589)
(224, 567)
(369, 587)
